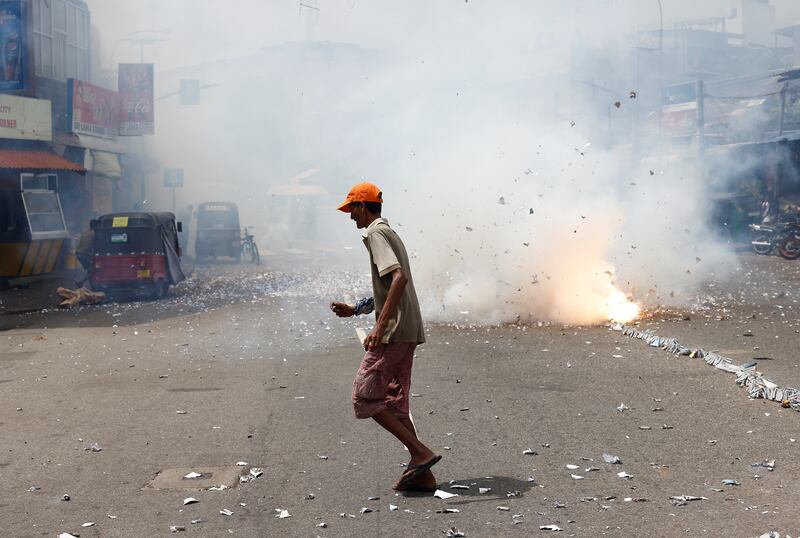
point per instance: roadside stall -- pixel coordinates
(33, 234)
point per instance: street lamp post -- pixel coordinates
(142, 38)
(660, 69)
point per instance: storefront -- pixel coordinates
(33, 231)
(91, 195)
(33, 234)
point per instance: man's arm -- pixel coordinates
(398, 285)
(362, 306)
(343, 310)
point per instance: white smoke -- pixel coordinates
(497, 173)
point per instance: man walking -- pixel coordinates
(383, 382)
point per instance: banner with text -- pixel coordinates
(92, 110)
(136, 93)
(22, 118)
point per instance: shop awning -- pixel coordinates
(104, 163)
(35, 159)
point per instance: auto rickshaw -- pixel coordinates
(135, 251)
(218, 231)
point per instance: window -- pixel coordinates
(61, 39)
(42, 205)
(39, 182)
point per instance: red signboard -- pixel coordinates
(92, 110)
(136, 92)
(680, 119)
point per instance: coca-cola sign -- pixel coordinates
(136, 91)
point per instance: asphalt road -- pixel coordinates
(250, 366)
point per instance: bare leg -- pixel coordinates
(409, 426)
(426, 479)
(408, 434)
(419, 452)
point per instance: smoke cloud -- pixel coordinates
(494, 158)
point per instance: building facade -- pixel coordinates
(61, 139)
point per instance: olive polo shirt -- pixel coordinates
(387, 253)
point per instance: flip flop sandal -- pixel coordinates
(414, 471)
(416, 488)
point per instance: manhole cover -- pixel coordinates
(210, 476)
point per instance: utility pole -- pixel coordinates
(660, 79)
(783, 108)
(701, 119)
(312, 15)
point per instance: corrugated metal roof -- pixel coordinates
(36, 160)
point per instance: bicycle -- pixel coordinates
(249, 248)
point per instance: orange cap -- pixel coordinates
(363, 192)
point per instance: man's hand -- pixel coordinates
(343, 310)
(375, 337)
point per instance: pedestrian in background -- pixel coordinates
(382, 385)
(84, 251)
(185, 218)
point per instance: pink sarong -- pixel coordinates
(383, 380)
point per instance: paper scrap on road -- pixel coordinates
(683, 500)
(554, 528)
(190, 500)
(255, 472)
(226, 512)
(192, 475)
(282, 514)
(757, 386)
(769, 465)
(441, 494)
(608, 458)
